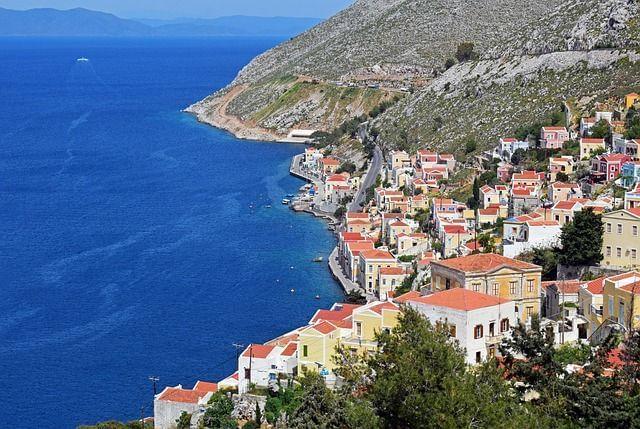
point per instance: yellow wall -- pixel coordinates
(626, 241)
(626, 298)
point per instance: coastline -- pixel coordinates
(213, 111)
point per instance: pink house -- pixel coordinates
(504, 172)
(553, 137)
(608, 166)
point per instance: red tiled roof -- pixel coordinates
(564, 185)
(554, 129)
(567, 286)
(398, 224)
(591, 140)
(460, 299)
(527, 174)
(258, 351)
(330, 161)
(632, 287)
(384, 306)
(565, 205)
(351, 236)
(407, 297)
(509, 139)
(391, 271)
(483, 262)
(175, 394)
(290, 349)
(205, 386)
(596, 286)
(522, 192)
(357, 215)
(358, 246)
(634, 211)
(338, 312)
(337, 178)
(377, 254)
(324, 327)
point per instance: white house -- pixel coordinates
(477, 321)
(508, 145)
(533, 234)
(169, 404)
(262, 364)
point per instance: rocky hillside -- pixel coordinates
(529, 57)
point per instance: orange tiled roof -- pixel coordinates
(391, 271)
(175, 394)
(596, 286)
(258, 351)
(407, 297)
(338, 312)
(205, 386)
(290, 349)
(483, 262)
(460, 299)
(567, 286)
(377, 254)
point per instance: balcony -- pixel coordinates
(493, 340)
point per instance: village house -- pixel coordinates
(478, 322)
(621, 298)
(630, 173)
(389, 279)
(504, 172)
(608, 166)
(590, 302)
(563, 164)
(508, 145)
(626, 147)
(399, 159)
(311, 158)
(263, 364)
(556, 293)
(495, 275)
(492, 196)
(523, 200)
(411, 244)
(553, 137)
(560, 191)
(563, 212)
(370, 263)
(533, 234)
(632, 198)
(630, 100)
(589, 146)
(527, 178)
(453, 237)
(585, 126)
(490, 215)
(169, 404)
(358, 222)
(621, 239)
(396, 228)
(328, 165)
(351, 263)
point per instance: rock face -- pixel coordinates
(529, 57)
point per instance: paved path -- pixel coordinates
(370, 179)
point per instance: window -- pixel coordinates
(610, 306)
(492, 352)
(476, 287)
(478, 357)
(496, 289)
(529, 312)
(608, 227)
(618, 252)
(492, 329)
(359, 329)
(305, 350)
(448, 284)
(634, 230)
(634, 254)
(512, 287)
(504, 325)
(530, 286)
(478, 331)
(619, 228)
(621, 313)
(608, 251)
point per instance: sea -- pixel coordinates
(136, 242)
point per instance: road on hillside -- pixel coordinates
(374, 169)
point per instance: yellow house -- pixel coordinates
(589, 146)
(630, 100)
(495, 275)
(370, 263)
(354, 327)
(591, 303)
(621, 239)
(622, 299)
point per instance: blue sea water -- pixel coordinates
(133, 240)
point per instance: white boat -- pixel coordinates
(286, 201)
(83, 60)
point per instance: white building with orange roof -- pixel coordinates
(398, 159)
(553, 137)
(169, 404)
(533, 234)
(370, 263)
(263, 364)
(328, 165)
(478, 322)
(508, 145)
(418, 202)
(352, 257)
(632, 197)
(527, 179)
(586, 124)
(495, 275)
(590, 302)
(524, 200)
(560, 191)
(336, 187)
(358, 222)
(396, 228)
(453, 237)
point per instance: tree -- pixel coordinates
(470, 146)
(422, 380)
(184, 421)
(347, 167)
(258, 415)
(562, 177)
(355, 297)
(449, 63)
(319, 407)
(465, 52)
(582, 240)
(474, 200)
(218, 413)
(487, 243)
(601, 130)
(545, 257)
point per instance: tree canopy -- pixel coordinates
(582, 240)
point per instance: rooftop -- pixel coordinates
(483, 262)
(460, 299)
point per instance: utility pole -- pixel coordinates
(238, 347)
(562, 312)
(154, 380)
(250, 361)
(142, 417)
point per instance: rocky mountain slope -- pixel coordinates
(529, 57)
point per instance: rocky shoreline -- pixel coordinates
(213, 111)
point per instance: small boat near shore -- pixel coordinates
(82, 60)
(286, 201)
(318, 259)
